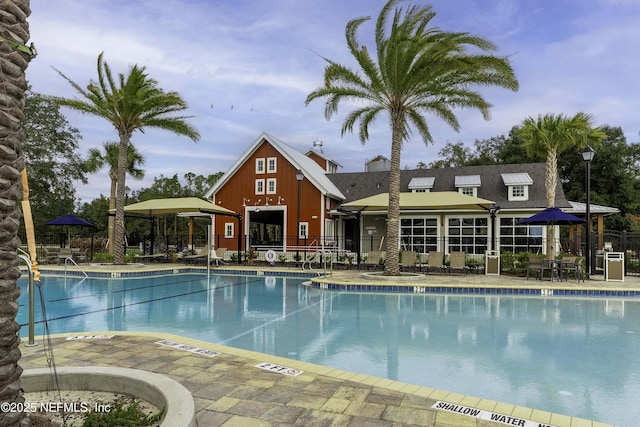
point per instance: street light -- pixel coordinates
(587, 156)
(299, 178)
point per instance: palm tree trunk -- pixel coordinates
(551, 181)
(392, 262)
(119, 230)
(13, 85)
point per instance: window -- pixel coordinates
(271, 186)
(259, 186)
(468, 235)
(303, 231)
(419, 234)
(271, 164)
(468, 191)
(228, 230)
(260, 165)
(329, 232)
(519, 238)
(518, 192)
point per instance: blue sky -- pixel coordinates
(246, 66)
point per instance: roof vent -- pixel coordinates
(317, 145)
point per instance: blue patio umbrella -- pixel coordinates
(552, 216)
(71, 220)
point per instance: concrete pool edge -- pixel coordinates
(534, 415)
(159, 390)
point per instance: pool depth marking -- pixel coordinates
(486, 415)
(189, 348)
(279, 369)
(90, 337)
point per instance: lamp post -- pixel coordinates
(587, 156)
(299, 178)
(493, 210)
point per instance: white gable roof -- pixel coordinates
(312, 171)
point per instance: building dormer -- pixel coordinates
(421, 184)
(468, 184)
(517, 185)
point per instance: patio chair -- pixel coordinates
(64, 254)
(457, 262)
(408, 259)
(80, 256)
(572, 267)
(51, 256)
(534, 264)
(435, 262)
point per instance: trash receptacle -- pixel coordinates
(492, 263)
(614, 266)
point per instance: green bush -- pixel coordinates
(121, 414)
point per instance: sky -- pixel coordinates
(246, 66)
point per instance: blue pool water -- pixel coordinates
(579, 357)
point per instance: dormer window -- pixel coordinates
(421, 184)
(518, 185)
(468, 184)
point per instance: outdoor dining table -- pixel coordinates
(556, 270)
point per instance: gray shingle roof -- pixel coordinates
(357, 185)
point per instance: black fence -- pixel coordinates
(298, 247)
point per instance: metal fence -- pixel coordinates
(296, 248)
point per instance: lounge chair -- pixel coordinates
(408, 259)
(457, 262)
(435, 262)
(373, 259)
(201, 255)
(217, 256)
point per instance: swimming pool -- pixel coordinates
(579, 357)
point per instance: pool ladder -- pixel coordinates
(25, 257)
(316, 251)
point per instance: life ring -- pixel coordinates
(270, 282)
(270, 256)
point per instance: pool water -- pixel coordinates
(579, 357)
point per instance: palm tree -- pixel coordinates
(419, 70)
(97, 159)
(550, 134)
(132, 103)
(14, 58)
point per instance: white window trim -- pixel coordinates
(229, 230)
(475, 190)
(303, 226)
(259, 163)
(269, 181)
(275, 164)
(257, 188)
(518, 198)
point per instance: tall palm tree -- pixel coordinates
(550, 134)
(131, 103)
(98, 159)
(14, 58)
(417, 71)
